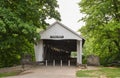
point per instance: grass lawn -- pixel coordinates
(103, 71)
(9, 74)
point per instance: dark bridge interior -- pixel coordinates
(59, 50)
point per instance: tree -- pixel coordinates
(19, 21)
(102, 28)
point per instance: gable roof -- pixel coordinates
(57, 22)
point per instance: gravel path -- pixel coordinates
(48, 72)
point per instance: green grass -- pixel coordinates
(9, 74)
(108, 72)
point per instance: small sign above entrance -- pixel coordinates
(57, 36)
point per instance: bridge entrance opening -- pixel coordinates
(59, 51)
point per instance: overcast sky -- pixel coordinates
(70, 14)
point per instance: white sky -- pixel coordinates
(70, 14)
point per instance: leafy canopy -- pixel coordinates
(19, 21)
(102, 28)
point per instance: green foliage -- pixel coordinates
(19, 21)
(9, 74)
(108, 72)
(102, 29)
(73, 54)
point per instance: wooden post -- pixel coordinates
(46, 63)
(79, 52)
(68, 62)
(53, 62)
(61, 63)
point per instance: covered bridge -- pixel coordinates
(57, 42)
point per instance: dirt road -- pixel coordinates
(48, 72)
